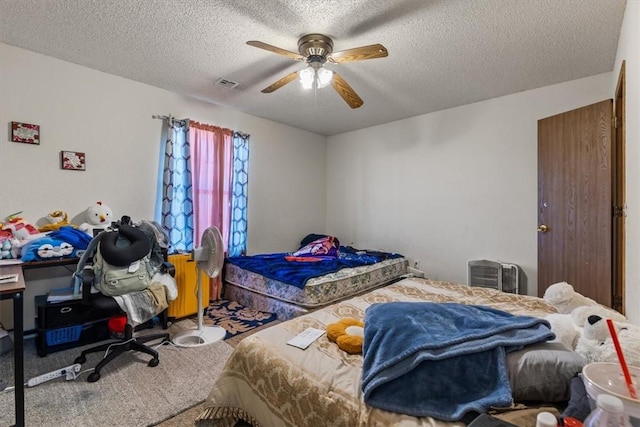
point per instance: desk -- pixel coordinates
(39, 277)
(15, 290)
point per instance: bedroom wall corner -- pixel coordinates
(629, 51)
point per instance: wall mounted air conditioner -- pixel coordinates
(498, 275)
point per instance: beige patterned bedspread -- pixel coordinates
(269, 383)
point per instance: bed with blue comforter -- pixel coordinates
(290, 285)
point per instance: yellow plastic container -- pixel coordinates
(187, 302)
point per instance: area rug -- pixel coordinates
(129, 393)
(235, 318)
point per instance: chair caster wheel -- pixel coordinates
(80, 360)
(153, 362)
(93, 377)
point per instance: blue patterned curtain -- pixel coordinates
(175, 212)
(238, 232)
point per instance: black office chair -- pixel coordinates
(99, 305)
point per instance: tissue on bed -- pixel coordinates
(441, 359)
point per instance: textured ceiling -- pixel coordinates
(442, 53)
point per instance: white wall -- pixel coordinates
(109, 118)
(628, 50)
(450, 186)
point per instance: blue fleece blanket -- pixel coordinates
(275, 266)
(441, 360)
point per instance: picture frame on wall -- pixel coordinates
(25, 132)
(72, 160)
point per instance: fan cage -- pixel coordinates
(502, 276)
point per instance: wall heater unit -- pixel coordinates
(502, 276)
(187, 302)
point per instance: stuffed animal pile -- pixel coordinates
(56, 238)
(15, 234)
(581, 325)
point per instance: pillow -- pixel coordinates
(543, 372)
(310, 238)
(325, 246)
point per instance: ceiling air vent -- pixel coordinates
(229, 84)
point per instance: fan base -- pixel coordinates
(199, 337)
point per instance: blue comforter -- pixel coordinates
(441, 360)
(275, 266)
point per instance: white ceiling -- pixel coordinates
(442, 53)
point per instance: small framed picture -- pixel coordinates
(72, 160)
(25, 132)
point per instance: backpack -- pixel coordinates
(121, 263)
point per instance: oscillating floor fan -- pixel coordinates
(209, 258)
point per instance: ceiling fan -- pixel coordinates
(316, 50)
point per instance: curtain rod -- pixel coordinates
(173, 120)
(170, 119)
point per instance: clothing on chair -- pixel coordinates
(144, 305)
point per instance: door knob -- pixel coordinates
(543, 228)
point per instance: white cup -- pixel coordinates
(608, 378)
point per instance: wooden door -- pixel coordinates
(575, 201)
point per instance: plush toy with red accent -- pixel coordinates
(20, 229)
(97, 216)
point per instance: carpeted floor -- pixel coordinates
(172, 394)
(129, 393)
(187, 417)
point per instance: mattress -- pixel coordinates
(283, 310)
(323, 290)
(269, 383)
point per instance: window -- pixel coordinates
(203, 183)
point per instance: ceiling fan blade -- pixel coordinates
(358, 54)
(283, 81)
(287, 53)
(346, 92)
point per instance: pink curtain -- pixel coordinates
(211, 170)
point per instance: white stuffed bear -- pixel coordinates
(573, 311)
(98, 216)
(596, 344)
(564, 298)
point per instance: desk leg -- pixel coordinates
(18, 355)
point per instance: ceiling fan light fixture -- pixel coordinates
(307, 77)
(324, 77)
(315, 75)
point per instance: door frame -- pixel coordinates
(619, 193)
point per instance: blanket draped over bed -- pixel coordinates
(275, 266)
(442, 359)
